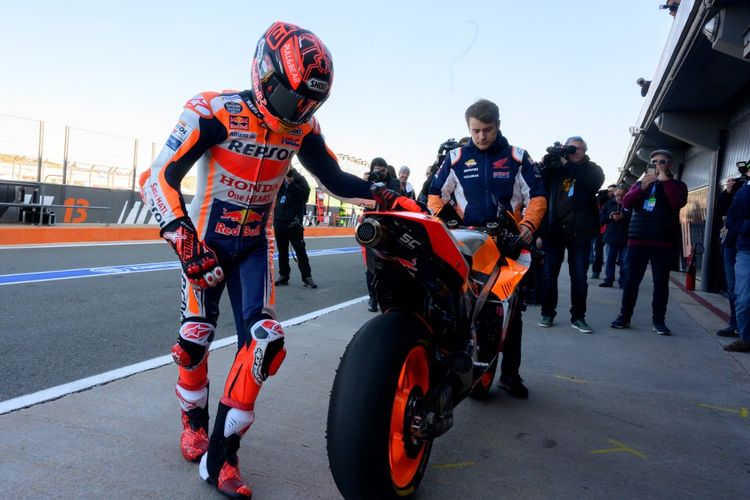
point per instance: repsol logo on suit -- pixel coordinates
(251, 149)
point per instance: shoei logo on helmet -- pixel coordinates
(317, 85)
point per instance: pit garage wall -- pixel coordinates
(738, 141)
(123, 206)
(695, 174)
(693, 216)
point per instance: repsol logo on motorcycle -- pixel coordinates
(256, 151)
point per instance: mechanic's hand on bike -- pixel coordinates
(199, 262)
(388, 199)
(526, 235)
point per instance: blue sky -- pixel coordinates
(404, 71)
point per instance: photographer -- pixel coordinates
(432, 169)
(287, 227)
(656, 200)
(615, 238)
(597, 245)
(379, 172)
(572, 181)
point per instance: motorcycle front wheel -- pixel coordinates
(381, 381)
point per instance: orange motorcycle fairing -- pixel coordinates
(510, 276)
(443, 243)
(485, 258)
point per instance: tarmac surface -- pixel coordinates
(614, 414)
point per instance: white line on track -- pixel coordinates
(72, 245)
(126, 371)
(118, 243)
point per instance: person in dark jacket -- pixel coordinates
(729, 245)
(288, 215)
(615, 237)
(486, 177)
(429, 175)
(572, 222)
(379, 172)
(597, 244)
(654, 229)
(738, 221)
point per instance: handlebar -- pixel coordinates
(507, 241)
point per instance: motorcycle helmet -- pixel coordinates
(292, 73)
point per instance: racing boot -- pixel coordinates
(194, 437)
(194, 406)
(220, 465)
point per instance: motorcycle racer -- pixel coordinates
(242, 143)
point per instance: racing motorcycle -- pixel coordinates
(448, 293)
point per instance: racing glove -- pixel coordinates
(387, 200)
(199, 262)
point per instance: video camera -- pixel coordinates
(443, 151)
(556, 153)
(375, 176)
(742, 167)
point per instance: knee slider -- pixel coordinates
(192, 344)
(267, 346)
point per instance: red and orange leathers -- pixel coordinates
(240, 165)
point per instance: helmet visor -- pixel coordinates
(287, 105)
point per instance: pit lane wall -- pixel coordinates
(86, 214)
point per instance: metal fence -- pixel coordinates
(30, 150)
(35, 151)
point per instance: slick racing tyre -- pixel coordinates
(383, 376)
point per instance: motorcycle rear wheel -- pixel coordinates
(382, 377)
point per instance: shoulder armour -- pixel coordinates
(201, 104)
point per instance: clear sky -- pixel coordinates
(404, 71)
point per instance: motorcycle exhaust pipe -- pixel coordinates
(368, 233)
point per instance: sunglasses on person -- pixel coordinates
(659, 162)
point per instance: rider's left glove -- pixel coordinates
(199, 262)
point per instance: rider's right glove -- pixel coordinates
(199, 262)
(387, 200)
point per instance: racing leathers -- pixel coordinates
(482, 184)
(240, 166)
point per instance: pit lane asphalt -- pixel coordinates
(54, 332)
(616, 414)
